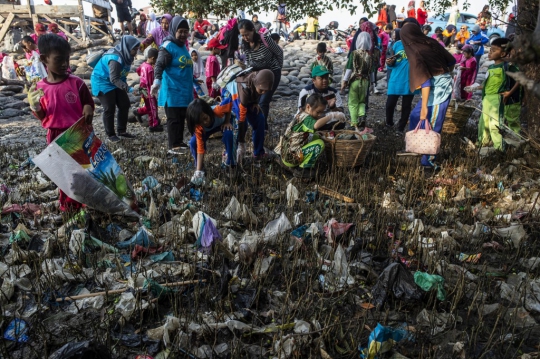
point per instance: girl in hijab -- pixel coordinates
(398, 85)
(242, 97)
(159, 34)
(109, 85)
(369, 28)
(430, 67)
(151, 24)
(141, 27)
(174, 76)
(198, 72)
(357, 75)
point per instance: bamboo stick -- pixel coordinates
(334, 194)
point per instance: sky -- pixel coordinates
(342, 16)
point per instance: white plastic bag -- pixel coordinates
(35, 70)
(8, 68)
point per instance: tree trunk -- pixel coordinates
(527, 18)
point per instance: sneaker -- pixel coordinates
(114, 139)
(183, 148)
(127, 135)
(376, 91)
(157, 128)
(137, 116)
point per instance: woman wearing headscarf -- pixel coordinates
(430, 67)
(174, 81)
(353, 42)
(141, 27)
(392, 16)
(109, 85)
(369, 28)
(357, 77)
(151, 24)
(398, 85)
(242, 97)
(159, 34)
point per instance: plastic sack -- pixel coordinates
(381, 340)
(84, 169)
(276, 227)
(205, 230)
(35, 71)
(398, 280)
(8, 68)
(334, 230)
(233, 211)
(292, 194)
(429, 281)
(143, 238)
(86, 349)
(17, 331)
(93, 57)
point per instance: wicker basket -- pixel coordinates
(456, 119)
(346, 153)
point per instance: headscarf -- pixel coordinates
(169, 17)
(427, 58)
(248, 86)
(198, 67)
(411, 5)
(364, 42)
(151, 23)
(476, 28)
(392, 13)
(124, 48)
(142, 17)
(368, 28)
(176, 23)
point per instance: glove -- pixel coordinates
(34, 97)
(471, 88)
(144, 92)
(215, 86)
(155, 88)
(339, 116)
(198, 178)
(240, 152)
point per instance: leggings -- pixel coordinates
(110, 101)
(176, 119)
(406, 106)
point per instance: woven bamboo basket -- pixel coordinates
(456, 119)
(346, 153)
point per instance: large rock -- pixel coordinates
(11, 88)
(284, 80)
(10, 113)
(17, 104)
(12, 38)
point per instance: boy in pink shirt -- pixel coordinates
(146, 74)
(61, 99)
(212, 68)
(385, 39)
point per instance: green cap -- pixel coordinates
(319, 70)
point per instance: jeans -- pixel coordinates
(110, 101)
(227, 139)
(264, 101)
(176, 119)
(255, 118)
(406, 106)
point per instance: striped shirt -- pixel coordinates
(265, 57)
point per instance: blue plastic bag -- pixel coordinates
(381, 340)
(142, 238)
(17, 331)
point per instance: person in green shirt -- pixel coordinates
(300, 146)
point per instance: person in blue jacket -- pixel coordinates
(398, 85)
(174, 81)
(477, 40)
(109, 85)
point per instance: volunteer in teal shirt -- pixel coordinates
(174, 81)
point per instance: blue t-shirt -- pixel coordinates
(398, 83)
(177, 82)
(440, 89)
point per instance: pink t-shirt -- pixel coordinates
(63, 102)
(146, 74)
(384, 38)
(212, 66)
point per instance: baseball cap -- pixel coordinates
(53, 26)
(319, 70)
(400, 17)
(214, 43)
(39, 28)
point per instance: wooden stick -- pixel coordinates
(334, 194)
(116, 291)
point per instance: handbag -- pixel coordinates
(426, 142)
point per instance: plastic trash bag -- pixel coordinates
(276, 227)
(8, 68)
(143, 238)
(150, 183)
(248, 217)
(233, 211)
(17, 331)
(429, 281)
(81, 350)
(515, 233)
(381, 340)
(84, 169)
(398, 280)
(35, 71)
(338, 276)
(205, 230)
(292, 194)
(335, 230)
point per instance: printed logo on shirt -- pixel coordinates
(184, 62)
(71, 97)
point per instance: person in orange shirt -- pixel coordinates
(462, 35)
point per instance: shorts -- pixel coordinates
(123, 14)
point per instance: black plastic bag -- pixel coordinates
(82, 350)
(398, 280)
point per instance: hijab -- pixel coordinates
(364, 42)
(411, 6)
(178, 22)
(427, 58)
(198, 68)
(392, 13)
(151, 23)
(123, 49)
(248, 86)
(159, 34)
(367, 27)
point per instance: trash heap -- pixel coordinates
(383, 262)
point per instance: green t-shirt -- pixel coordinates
(495, 79)
(307, 125)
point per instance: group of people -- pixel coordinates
(238, 95)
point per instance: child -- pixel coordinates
(146, 74)
(61, 99)
(300, 146)
(440, 39)
(212, 68)
(497, 92)
(468, 71)
(275, 37)
(53, 28)
(29, 46)
(459, 53)
(350, 38)
(384, 36)
(198, 73)
(323, 60)
(359, 66)
(202, 122)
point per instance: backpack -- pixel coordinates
(230, 73)
(93, 57)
